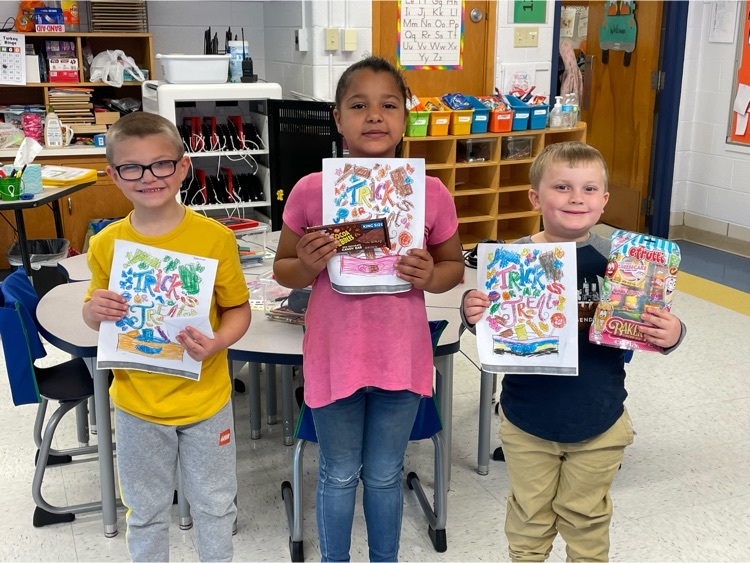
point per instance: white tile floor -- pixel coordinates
(683, 493)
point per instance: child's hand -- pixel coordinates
(196, 344)
(416, 267)
(666, 328)
(106, 305)
(475, 304)
(315, 249)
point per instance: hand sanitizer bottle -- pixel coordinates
(555, 115)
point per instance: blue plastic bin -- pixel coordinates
(538, 119)
(481, 118)
(521, 113)
(537, 114)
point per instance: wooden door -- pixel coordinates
(477, 75)
(621, 116)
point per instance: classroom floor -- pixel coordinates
(683, 493)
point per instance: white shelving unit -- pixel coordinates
(246, 100)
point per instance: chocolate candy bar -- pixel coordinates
(357, 235)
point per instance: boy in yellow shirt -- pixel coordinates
(158, 415)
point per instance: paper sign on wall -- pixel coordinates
(431, 35)
(355, 189)
(531, 325)
(165, 291)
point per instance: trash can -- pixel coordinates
(44, 255)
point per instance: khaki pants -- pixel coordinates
(564, 488)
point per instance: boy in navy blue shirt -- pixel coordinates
(564, 437)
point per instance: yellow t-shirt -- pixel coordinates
(167, 399)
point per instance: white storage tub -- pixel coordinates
(194, 69)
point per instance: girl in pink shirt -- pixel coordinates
(367, 358)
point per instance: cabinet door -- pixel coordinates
(102, 200)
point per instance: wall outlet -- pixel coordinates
(526, 37)
(301, 39)
(332, 39)
(350, 40)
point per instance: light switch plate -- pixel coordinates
(526, 37)
(332, 39)
(350, 40)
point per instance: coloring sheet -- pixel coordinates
(356, 189)
(531, 325)
(166, 291)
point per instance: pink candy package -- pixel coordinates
(642, 272)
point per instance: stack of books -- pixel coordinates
(75, 109)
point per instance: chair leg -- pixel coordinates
(183, 506)
(45, 513)
(485, 422)
(437, 517)
(292, 496)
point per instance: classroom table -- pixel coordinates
(48, 196)
(61, 323)
(75, 268)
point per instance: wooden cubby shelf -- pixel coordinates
(490, 192)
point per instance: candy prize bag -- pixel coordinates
(641, 272)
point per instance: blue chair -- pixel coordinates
(68, 383)
(426, 425)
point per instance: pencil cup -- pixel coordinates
(11, 188)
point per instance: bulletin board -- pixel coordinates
(742, 74)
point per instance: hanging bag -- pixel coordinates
(109, 67)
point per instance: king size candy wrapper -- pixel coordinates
(357, 235)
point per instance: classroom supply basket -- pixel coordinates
(537, 114)
(480, 117)
(416, 123)
(439, 119)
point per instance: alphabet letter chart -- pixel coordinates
(431, 34)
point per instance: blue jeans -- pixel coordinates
(363, 436)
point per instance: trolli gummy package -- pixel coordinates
(641, 272)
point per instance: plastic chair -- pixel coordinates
(68, 383)
(426, 425)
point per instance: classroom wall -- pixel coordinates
(178, 27)
(316, 71)
(711, 190)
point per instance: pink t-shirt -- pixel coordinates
(355, 341)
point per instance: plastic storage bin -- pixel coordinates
(474, 150)
(416, 123)
(517, 147)
(521, 113)
(460, 123)
(194, 69)
(499, 121)
(439, 119)
(537, 114)
(480, 117)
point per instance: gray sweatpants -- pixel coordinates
(147, 455)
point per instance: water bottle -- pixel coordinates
(567, 113)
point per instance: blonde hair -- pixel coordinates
(141, 124)
(571, 153)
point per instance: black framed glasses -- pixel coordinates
(160, 169)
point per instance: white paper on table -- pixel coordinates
(165, 291)
(531, 325)
(356, 189)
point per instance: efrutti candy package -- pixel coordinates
(642, 272)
